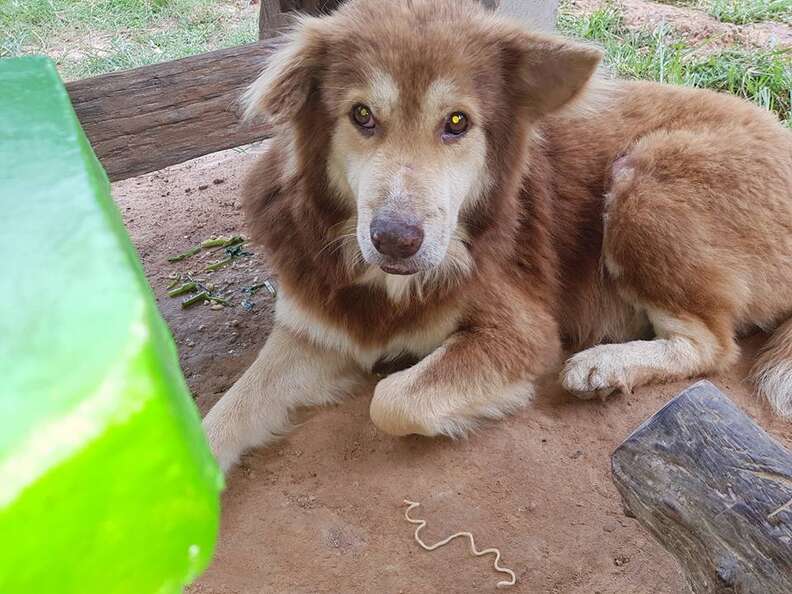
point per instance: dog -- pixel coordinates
(454, 199)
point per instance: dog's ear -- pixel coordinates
(547, 71)
(291, 71)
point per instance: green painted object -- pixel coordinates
(107, 484)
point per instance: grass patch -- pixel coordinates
(742, 12)
(90, 37)
(761, 76)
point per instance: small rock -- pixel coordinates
(218, 181)
(611, 527)
(217, 307)
(621, 560)
(203, 187)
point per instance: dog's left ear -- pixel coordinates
(547, 71)
(290, 74)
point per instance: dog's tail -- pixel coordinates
(772, 372)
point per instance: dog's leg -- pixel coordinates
(670, 248)
(484, 371)
(289, 372)
(685, 347)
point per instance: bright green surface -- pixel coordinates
(106, 482)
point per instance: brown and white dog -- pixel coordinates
(449, 188)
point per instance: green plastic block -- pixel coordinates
(106, 481)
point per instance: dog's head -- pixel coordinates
(423, 106)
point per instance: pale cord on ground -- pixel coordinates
(422, 523)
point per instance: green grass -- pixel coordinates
(741, 12)
(89, 37)
(761, 76)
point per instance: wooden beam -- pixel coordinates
(715, 490)
(272, 12)
(152, 117)
(270, 18)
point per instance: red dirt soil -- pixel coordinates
(322, 511)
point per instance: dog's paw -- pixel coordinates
(596, 373)
(225, 448)
(395, 410)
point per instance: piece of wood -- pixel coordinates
(270, 18)
(148, 118)
(272, 14)
(715, 490)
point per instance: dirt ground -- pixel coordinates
(322, 511)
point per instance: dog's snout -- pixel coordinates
(396, 237)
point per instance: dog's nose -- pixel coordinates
(396, 237)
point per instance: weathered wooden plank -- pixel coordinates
(272, 12)
(715, 490)
(270, 18)
(148, 118)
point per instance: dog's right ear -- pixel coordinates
(291, 71)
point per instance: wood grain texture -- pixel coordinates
(148, 118)
(270, 18)
(715, 490)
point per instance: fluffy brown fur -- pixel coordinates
(601, 212)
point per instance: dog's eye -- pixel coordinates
(456, 124)
(362, 116)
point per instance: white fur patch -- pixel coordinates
(403, 404)
(398, 287)
(455, 267)
(288, 373)
(383, 94)
(775, 384)
(420, 343)
(684, 348)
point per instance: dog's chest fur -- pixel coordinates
(384, 352)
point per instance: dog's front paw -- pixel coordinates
(396, 410)
(225, 448)
(596, 372)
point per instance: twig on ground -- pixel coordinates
(185, 288)
(200, 297)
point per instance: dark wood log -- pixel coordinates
(148, 118)
(715, 490)
(270, 18)
(272, 15)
